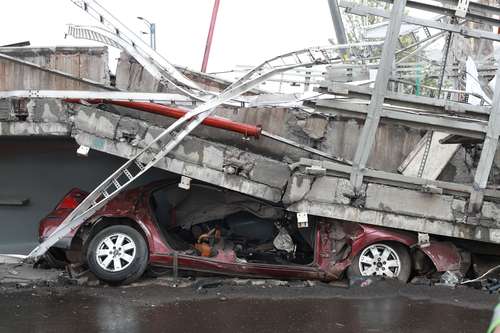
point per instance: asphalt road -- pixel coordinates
(211, 306)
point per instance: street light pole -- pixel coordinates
(152, 32)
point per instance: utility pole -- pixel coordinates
(208, 45)
(152, 32)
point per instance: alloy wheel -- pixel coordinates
(115, 252)
(380, 260)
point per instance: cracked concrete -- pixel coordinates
(193, 157)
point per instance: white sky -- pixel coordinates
(247, 31)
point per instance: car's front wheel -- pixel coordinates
(390, 260)
(117, 254)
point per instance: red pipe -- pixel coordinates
(212, 121)
(208, 45)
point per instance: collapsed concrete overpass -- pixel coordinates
(319, 188)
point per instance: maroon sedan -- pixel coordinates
(214, 230)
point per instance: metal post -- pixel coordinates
(430, 134)
(338, 24)
(175, 265)
(444, 62)
(369, 130)
(208, 45)
(307, 81)
(487, 155)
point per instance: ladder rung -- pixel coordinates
(139, 165)
(311, 56)
(297, 58)
(116, 183)
(105, 193)
(128, 174)
(268, 64)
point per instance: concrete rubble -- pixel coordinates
(26, 276)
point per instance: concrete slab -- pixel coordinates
(408, 202)
(388, 206)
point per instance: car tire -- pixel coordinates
(389, 260)
(117, 254)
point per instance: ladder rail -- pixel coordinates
(98, 12)
(268, 63)
(156, 70)
(120, 34)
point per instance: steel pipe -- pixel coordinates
(212, 121)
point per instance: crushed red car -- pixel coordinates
(209, 229)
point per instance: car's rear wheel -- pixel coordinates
(390, 260)
(117, 254)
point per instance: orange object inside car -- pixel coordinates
(206, 242)
(204, 249)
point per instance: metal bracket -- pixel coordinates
(432, 189)
(423, 239)
(316, 170)
(185, 183)
(83, 151)
(462, 8)
(302, 220)
(472, 220)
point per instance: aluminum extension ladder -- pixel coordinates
(147, 157)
